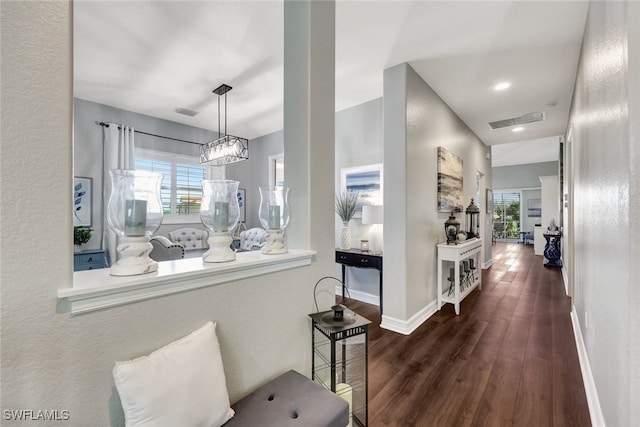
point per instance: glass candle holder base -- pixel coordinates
(219, 247)
(133, 257)
(274, 243)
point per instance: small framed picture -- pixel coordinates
(82, 194)
(242, 204)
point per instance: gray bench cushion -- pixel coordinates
(291, 400)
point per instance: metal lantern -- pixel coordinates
(472, 218)
(339, 358)
(451, 228)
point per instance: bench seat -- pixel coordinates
(290, 400)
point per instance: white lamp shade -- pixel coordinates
(372, 214)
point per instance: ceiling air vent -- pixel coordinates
(186, 112)
(522, 120)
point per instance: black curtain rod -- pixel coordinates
(103, 124)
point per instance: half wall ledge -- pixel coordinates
(94, 290)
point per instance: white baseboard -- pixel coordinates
(595, 411)
(407, 326)
(360, 296)
(487, 264)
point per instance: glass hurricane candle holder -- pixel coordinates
(274, 217)
(219, 213)
(134, 213)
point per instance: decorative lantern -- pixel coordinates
(472, 218)
(339, 358)
(274, 217)
(219, 213)
(134, 213)
(451, 228)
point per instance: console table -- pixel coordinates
(357, 258)
(455, 254)
(88, 260)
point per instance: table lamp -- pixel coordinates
(374, 215)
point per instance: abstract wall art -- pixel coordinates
(450, 193)
(366, 180)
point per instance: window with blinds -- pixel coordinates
(165, 169)
(506, 215)
(181, 189)
(189, 189)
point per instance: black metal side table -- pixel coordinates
(339, 360)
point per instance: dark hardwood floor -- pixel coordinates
(508, 359)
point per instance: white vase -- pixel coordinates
(345, 236)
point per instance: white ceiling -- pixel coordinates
(152, 57)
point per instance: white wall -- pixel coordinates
(605, 116)
(550, 200)
(416, 122)
(521, 176)
(50, 360)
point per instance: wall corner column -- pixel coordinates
(309, 125)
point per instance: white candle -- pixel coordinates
(345, 391)
(135, 219)
(274, 217)
(221, 216)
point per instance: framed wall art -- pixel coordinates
(489, 201)
(450, 195)
(242, 204)
(82, 195)
(366, 180)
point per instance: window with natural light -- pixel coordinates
(181, 190)
(506, 215)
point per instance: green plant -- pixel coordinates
(81, 235)
(346, 205)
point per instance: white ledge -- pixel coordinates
(96, 289)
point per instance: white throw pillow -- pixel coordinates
(181, 384)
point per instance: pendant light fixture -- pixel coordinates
(226, 149)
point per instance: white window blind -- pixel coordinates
(181, 190)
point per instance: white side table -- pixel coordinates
(454, 254)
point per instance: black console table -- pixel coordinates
(357, 258)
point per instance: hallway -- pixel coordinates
(508, 359)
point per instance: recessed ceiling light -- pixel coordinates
(518, 129)
(502, 86)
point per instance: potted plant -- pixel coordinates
(346, 208)
(81, 235)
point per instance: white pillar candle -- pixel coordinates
(274, 217)
(221, 216)
(135, 219)
(344, 391)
